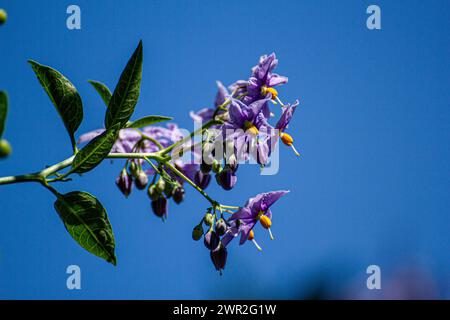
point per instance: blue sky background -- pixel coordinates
(372, 186)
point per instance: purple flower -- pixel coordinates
(256, 209)
(257, 133)
(282, 124)
(226, 178)
(286, 116)
(262, 81)
(202, 179)
(206, 114)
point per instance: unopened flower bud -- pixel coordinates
(141, 180)
(3, 16)
(152, 192)
(221, 227)
(178, 195)
(211, 240)
(160, 185)
(124, 182)
(201, 179)
(5, 148)
(159, 207)
(219, 258)
(197, 232)
(133, 168)
(205, 167)
(226, 179)
(233, 163)
(208, 219)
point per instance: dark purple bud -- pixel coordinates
(226, 179)
(219, 258)
(221, 227)
(159, 207)
(124, 182)
(141, 180)
(205, 167)
(178, 195)
(211, 240)
(201, 179)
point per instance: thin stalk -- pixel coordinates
(182, 176)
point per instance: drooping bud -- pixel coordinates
(160, 185)
(133, 168)
(205, 167)
(219, 258)
(3, 16)
(178, 195)
(211, 240)
(232, 163)
(124, 182)
(201, 179)
(159, 207)
(141, 180)
(221, 227)
(226, 178)
(208, 219)
(5, 148)
(152, 192)
(197, 232)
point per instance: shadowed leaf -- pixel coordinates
(64, 96)
(87, 222)
(102, 90)
(95, 151)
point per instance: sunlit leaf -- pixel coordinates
(147, 121)
(126, 93)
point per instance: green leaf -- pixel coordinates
(95, 151)
(64, 96)
(146, 121)
(126, 93)
(3, 111)
(102, 90)
(87, 222)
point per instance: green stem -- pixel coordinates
(182, 176)
(187, 138)
(156, 142)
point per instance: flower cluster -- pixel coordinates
(237, 129)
